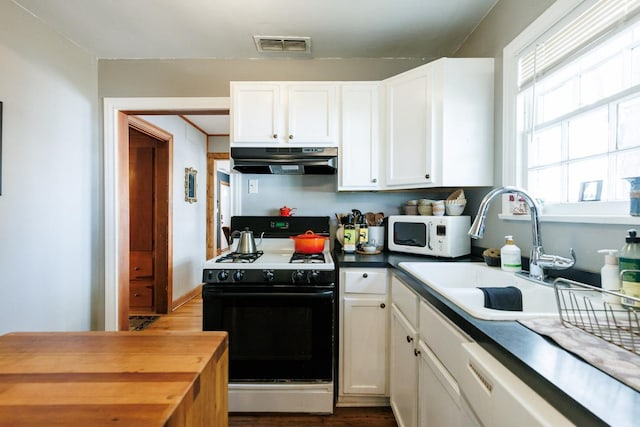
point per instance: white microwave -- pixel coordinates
(442, 236)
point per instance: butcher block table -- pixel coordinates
(114, 378)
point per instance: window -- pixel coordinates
(572, 103)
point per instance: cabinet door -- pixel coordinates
(409, 156)
(438, 396)
(255, 112)
(365, 346)
(312, 114)
(359, 157)
(403, 371)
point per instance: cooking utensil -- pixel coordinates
(285, 211)
(246, 243)
(379, 218)
(371, 218)
(309, 243)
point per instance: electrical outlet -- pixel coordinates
(253, 186)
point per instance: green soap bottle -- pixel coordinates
(629, 260)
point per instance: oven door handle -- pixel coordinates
(318, 295)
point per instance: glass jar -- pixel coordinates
(634, 196)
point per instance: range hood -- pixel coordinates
(285, 161)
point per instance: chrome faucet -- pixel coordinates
(538, 260)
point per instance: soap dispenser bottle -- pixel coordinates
(610, 275)
(510, 256)
(630, 260)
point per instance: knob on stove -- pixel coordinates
(238, 275)
(298, 276)
(314, 275)
(269, 275)
(223, 275)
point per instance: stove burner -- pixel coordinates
(298, 258)
(240, 257)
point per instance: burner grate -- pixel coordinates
(240, 257)
(298, 258)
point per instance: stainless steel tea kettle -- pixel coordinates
(246, 243)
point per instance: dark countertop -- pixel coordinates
(584, 394)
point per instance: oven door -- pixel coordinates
(275, 333)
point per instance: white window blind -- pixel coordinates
(600, 19)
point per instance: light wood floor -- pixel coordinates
(188, 317)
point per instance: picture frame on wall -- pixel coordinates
(590, 191)
(190, 185)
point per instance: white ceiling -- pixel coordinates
(211, 125)
(224, 29)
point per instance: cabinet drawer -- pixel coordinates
(140, 265)
(497, 397)
(365, 281)
(443, 338)
(141, 294)
(405, 299)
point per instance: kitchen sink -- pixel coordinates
(458, 282)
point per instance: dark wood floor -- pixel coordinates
(342, 417)
(189, 318)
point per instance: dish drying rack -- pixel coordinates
(585, 307)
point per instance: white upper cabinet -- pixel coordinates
(359, 142)
(284, 113)
(255, 112)
(439, 128)
(409, 147)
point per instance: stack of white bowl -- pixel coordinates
(424, 207)
(455, 203)
(411, 208)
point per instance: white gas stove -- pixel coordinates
(279, 308)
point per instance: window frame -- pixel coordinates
(513, 168)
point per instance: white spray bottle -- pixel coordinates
(609, 275)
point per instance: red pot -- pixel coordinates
(309, 243)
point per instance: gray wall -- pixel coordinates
(189, 219)
(51, 233)
(211, 77)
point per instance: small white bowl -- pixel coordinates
(425, 209)
(454, 209)
(369, 248)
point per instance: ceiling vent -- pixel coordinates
(275, 44)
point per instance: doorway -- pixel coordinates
(149, 211)
(223, 217)
(218, 203)
(116, 216)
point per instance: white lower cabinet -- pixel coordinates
(438, 391)
(363, 359)
(403, 370)
(440, 377)
(496, 397)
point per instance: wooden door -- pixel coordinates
(148, 229)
